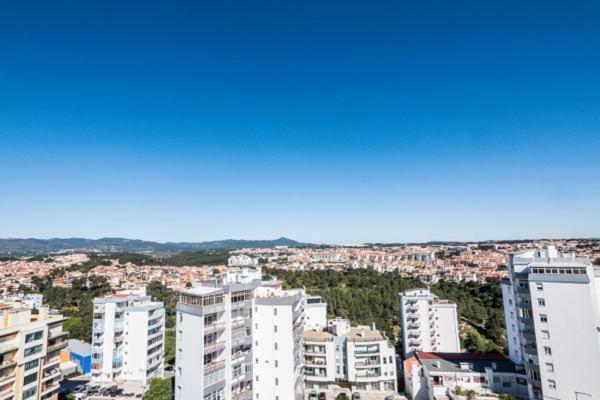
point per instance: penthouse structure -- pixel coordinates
(360, 357)
(428, 323)
(551, 304)
(127, 337)
(278, 325)
(30, 348)
(214, 338)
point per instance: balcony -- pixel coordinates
(214, 346)
(214, 327)
(414, 325)
(413, 308)
(7, 364)
(50, 387)
(8, 378)
(364, 350)
(213, 366)
(7, 394)
(309, 372)
(414, 343)
(57, 345)
(52, 373)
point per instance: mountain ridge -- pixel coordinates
(32, 246)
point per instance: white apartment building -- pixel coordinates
(316, 312)
(278, 325)
(242, 261)
(30, 348)
(214, 338)
(437, 376)
(127, 337)
(552, 303)
(361, 358)
(428, 323)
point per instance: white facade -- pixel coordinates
(316, 312)
(242, 261)
(428, 323)
(430, 376)
(214, 338)
(556, 301)
(127, 338)
(30, 348)
(361, 357)
(278, 325)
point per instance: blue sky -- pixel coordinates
(341, 122)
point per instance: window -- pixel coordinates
(541, 302)
(539, 286)
(275, 327)
(545, 334)
(544, 318)
(276, 381)
(549, 367)
(29, 392)
(547, 351)
(31, 364)
(34, 336)
(276, 363)
(32, 350)
(30, 378)
(274, 310)
(275, 345)
(551, 384)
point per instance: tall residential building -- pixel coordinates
(127, 337)
(361, 358)
(214, 338)
(551, 304)
(278, 325)
(428, 323)
(30, 348)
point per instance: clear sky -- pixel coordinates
(343, 122)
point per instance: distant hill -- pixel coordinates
(30, 246)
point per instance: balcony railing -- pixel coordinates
(213, 366)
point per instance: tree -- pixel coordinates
(160, 389)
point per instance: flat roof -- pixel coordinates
(317, 336)
(477, 362)
(364, 334)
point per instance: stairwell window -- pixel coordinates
(543, 318)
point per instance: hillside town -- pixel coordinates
(469, 262)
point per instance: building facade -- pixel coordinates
(214, 338)
(316, 312)
(127, 337)
(30, 347)
(551, 304)
(428, 323)
(278, 325)
(430, 376)
(360, 358)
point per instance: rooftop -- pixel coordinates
(465, 362)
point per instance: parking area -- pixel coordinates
(88, 391)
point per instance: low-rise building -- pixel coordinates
(361, 358)
(429, 376)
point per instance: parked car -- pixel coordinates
(322, 396)
(355, 396)
(312, 395)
